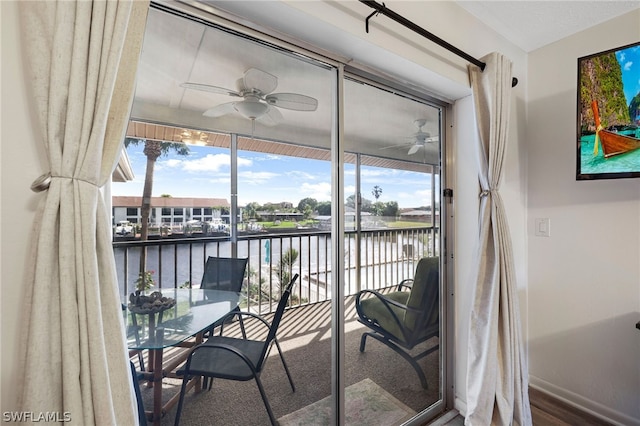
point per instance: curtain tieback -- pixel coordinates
(43, 182)
(487, 192)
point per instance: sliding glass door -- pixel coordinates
(348, 198)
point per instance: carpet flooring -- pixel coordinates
(305, 338)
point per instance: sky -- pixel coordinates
(629, 60)
(264, 178)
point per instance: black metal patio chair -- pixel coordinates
(239, 359)
(136, 377)
(223, 273)
(403, 319)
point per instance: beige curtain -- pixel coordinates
(82, 57)
(497, 374)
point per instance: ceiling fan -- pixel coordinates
(419, 138)
(258, 103)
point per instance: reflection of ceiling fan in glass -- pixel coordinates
(418, 140)
(258, 103)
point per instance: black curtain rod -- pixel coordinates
(381, 8)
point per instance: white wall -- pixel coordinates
(584, 280)
(21, 162)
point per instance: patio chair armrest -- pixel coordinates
(406, 283)
(242, 314)
(387, 303)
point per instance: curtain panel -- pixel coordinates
(82, 57)
(497, 374)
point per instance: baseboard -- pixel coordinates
(584, 404)
(461, 406)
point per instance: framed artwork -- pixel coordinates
(608, 128)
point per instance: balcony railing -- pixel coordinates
(382, 258)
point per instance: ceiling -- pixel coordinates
(534, 24)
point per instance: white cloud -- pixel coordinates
(414, 199)
(627, 65)
(299, 175)
(173, 162)
(256, 178)
(367, 172)
(320, 191)
(209, 163)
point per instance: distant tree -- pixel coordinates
(376, 192)
(308, 212)
(251, 209)
(365, 204)
(165, 195)
(307, 202)
(390, 209)
(153, 149)
(324, 208)
(378, 208)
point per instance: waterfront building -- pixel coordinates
(171, 211)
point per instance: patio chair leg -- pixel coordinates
(363, 341)
(284, 364)
(183, 390)
(403, 354)
(266, 402)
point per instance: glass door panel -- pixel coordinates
(395, 141)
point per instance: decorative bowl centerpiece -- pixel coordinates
(149, 304)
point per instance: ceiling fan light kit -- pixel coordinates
(251, 109)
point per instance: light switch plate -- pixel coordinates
(543, 227)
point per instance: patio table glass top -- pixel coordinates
(194, 311)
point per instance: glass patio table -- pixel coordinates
(173, 325)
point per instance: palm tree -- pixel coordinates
(376, 192)
(285, 265)
(153, 149)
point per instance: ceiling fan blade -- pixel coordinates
(293, 101)
(397, 145)
(209, 88)
(220, 110)
(414, 149)
(271, 117)
(260, 80)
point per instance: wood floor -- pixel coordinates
(548, 411)
(545, 411)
